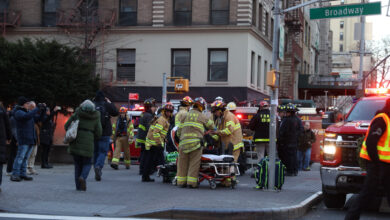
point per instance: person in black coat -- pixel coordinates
(46, 136)
(5, 137)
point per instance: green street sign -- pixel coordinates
(373, 8)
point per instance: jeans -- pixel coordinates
(82, 166)
(303, 159)
(101, 150)
(20, 163)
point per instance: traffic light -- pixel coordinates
(181, 85)
(271, 78)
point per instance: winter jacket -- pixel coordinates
(260, 124)
(157, 132)
(230, 131)
(290, 130)
(191, 130)
(180, 116)
(47, 129)
(5, 134)
(143, 126)
(25, 130)
(89, 130)
(111, 111)
(306, 140)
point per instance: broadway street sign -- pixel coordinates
(373, 8)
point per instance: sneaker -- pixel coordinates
(15, 178)
(114, 166)
(26, 178)
(306, 169)
(82, 184)
(98, 174)
(31, 171)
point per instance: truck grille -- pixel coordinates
(349, 157)
(350, 137)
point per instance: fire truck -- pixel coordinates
(341, 173)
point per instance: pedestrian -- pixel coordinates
(260, 124)
(143, 128)
(46, 135)
(26, 115)
(375, 151)
(155, 140)
(82, 148)
(13, 147)
(304, 148)
(123, 135)
(107, 110)
(5, 138)
(191, 133)
(33, 155)
(290, 130)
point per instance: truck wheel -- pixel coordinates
(335, 201)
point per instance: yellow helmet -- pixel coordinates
(231, 106)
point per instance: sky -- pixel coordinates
(381, 23)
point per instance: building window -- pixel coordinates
(306, 32)
(88, 10)
(183, 12)
(49, 13)
(341, 24)
(253, 57)
(254, 13)
(341, 48)
(261, 18)
(266, 24)
(259, 71)
(125, 64)
(218, 65)
(265, 75)
(341, 36)
(181, 63)
(219, 12)
(272, 29)
(308, 37)
(128, 13)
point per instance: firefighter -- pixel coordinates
(123, 134)
(260, 124)
(155, 140)
(290, 130)
(143, 128)
(185, 106)
(191, 133)
(229, 130)
(375, 151)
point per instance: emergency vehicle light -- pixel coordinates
(239, 116)
(377, 91)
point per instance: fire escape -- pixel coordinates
(9, 19)
(294, 21)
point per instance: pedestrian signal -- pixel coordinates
(271, 78)
(181, 85)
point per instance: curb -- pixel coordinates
(289, 212)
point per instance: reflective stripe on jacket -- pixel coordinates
(383, 143)
(230, 131)
(157, 133)
(180, 116)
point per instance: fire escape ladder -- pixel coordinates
(9, 18)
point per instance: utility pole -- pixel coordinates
(361, 51)
(164, 89)
(274, 98)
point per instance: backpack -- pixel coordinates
(104, 116)
(261, 174)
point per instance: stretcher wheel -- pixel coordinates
(213, 185)
(174, 181)
(233, 184)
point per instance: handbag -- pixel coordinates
(71, 133)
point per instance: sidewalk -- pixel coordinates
(121, 193)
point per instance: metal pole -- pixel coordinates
(164, 89)
(326, 100)
(274, 98)
(362, 30)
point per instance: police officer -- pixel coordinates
(143, 128)
(375, 151)
(191, 133)
(260, 124)
(290, 130)
(123, 132)
(155, 140)
(185, 106)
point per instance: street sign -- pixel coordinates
(281, 43)
(133, 96)
(373, 8)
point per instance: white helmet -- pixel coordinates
(231, 106)
(219, 98)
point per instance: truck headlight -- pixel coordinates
(330, 149)
(330, 135)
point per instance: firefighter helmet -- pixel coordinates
(219, 98)
(150, 102)
(200, 103)
(281, 108)
(217, 105)
(291, 107)
(168, 107)
(186, 101)
(263, 104)
(231, 106)
(122, 109)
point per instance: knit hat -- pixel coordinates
(87, 106)
(22, 100)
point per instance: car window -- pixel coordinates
(365, 110)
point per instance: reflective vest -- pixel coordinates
(383, 143)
